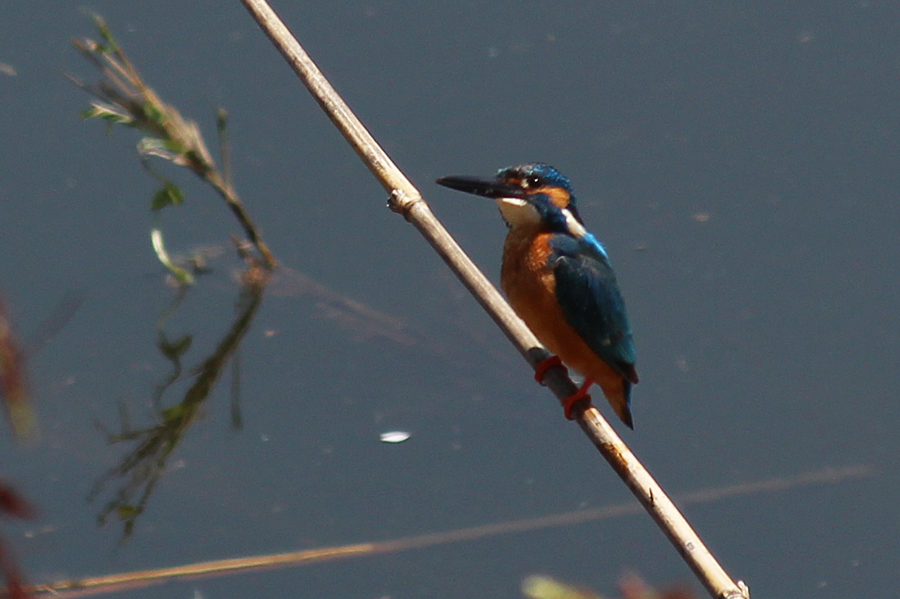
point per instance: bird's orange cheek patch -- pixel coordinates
(559, 196)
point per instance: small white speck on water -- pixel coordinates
(395, 436)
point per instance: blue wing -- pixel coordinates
(591, 302)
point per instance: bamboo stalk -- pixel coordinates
(405, 199)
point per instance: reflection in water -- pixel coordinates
(146, 463)
(141, 469)
(363, 322)
(368, 325)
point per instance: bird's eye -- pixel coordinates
(532, 181)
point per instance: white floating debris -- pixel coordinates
(395, 436)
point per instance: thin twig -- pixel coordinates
(406, 200)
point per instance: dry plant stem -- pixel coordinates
(405, 199)
(96, 585)
(237, 208)
(126, 88)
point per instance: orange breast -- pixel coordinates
(531, 287)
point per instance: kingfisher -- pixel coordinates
(559, 280)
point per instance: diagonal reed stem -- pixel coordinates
(405, 199)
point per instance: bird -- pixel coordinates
(560, 282)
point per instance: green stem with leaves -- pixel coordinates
(124, 99)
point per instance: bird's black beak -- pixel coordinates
(489, 188)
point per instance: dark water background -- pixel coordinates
(741, 162)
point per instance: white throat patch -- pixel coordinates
(518, 212)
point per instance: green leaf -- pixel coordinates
(153, 146)
(175, 412)
(174, 350)
(99, 110)
(183, 276)
(154, 115)
(127, 512)
(169, 195)
(221, 120)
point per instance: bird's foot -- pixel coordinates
(580, 395)
(540, 371)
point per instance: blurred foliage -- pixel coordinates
(631, 586)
